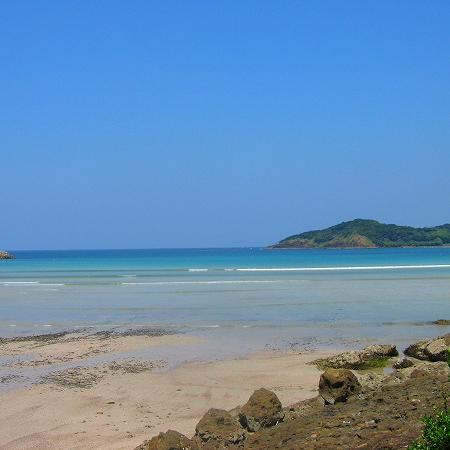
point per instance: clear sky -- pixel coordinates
(149, 124)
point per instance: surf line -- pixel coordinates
(304, 269)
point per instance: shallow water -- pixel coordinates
(237, 299)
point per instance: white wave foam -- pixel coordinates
(305, 269)
(225, 326)
(161, 283)
(198, 270)
(28, 283)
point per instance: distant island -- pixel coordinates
(364, 233)
(5, 255)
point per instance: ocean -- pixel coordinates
(237, 300)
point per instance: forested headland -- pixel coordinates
(368, 233)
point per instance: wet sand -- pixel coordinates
(97, 391)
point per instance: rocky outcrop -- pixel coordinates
(402, 364)
(441, 322)
(385, 416)
(219, 425)
(371, 356)
(363, 411)
(337, 385)
(262, 410)
(5, 255)
(171, 440)
(430, 350)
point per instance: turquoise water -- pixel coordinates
(248, 298)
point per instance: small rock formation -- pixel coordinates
(403, 364)
(441, 322)
(430, 350)
(262, 410)
(171, 440)
(371, 356)
(5, 255)
(337, 385)
(219, 425)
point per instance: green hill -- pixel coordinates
(368, 233)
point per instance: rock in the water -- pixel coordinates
(219, 425)
(441, 322)
(5, 255)
(430, 350)
(337, 385)
(262, 410)
(172, 440)
(371, 356)
(403, 364)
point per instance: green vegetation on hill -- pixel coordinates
(368, 233)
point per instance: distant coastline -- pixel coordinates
(366, 233)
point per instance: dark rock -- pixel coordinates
(403, 364)
(219, 425)
(262, 410)
(171, 440)
(337, 385)
(441, 322)
(430, 350)
(371, 356)
(5, 255)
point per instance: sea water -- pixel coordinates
(237, 300)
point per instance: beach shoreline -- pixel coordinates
(103, 390)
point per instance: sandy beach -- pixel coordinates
(84, 391)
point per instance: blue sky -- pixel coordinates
(149, 124)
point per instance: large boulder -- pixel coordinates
(219, 425)
(262, 410)
(430, 350)
(5, 255)
(171, 440)
(337, 385)
(371, 356)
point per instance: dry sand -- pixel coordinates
(72, 398)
